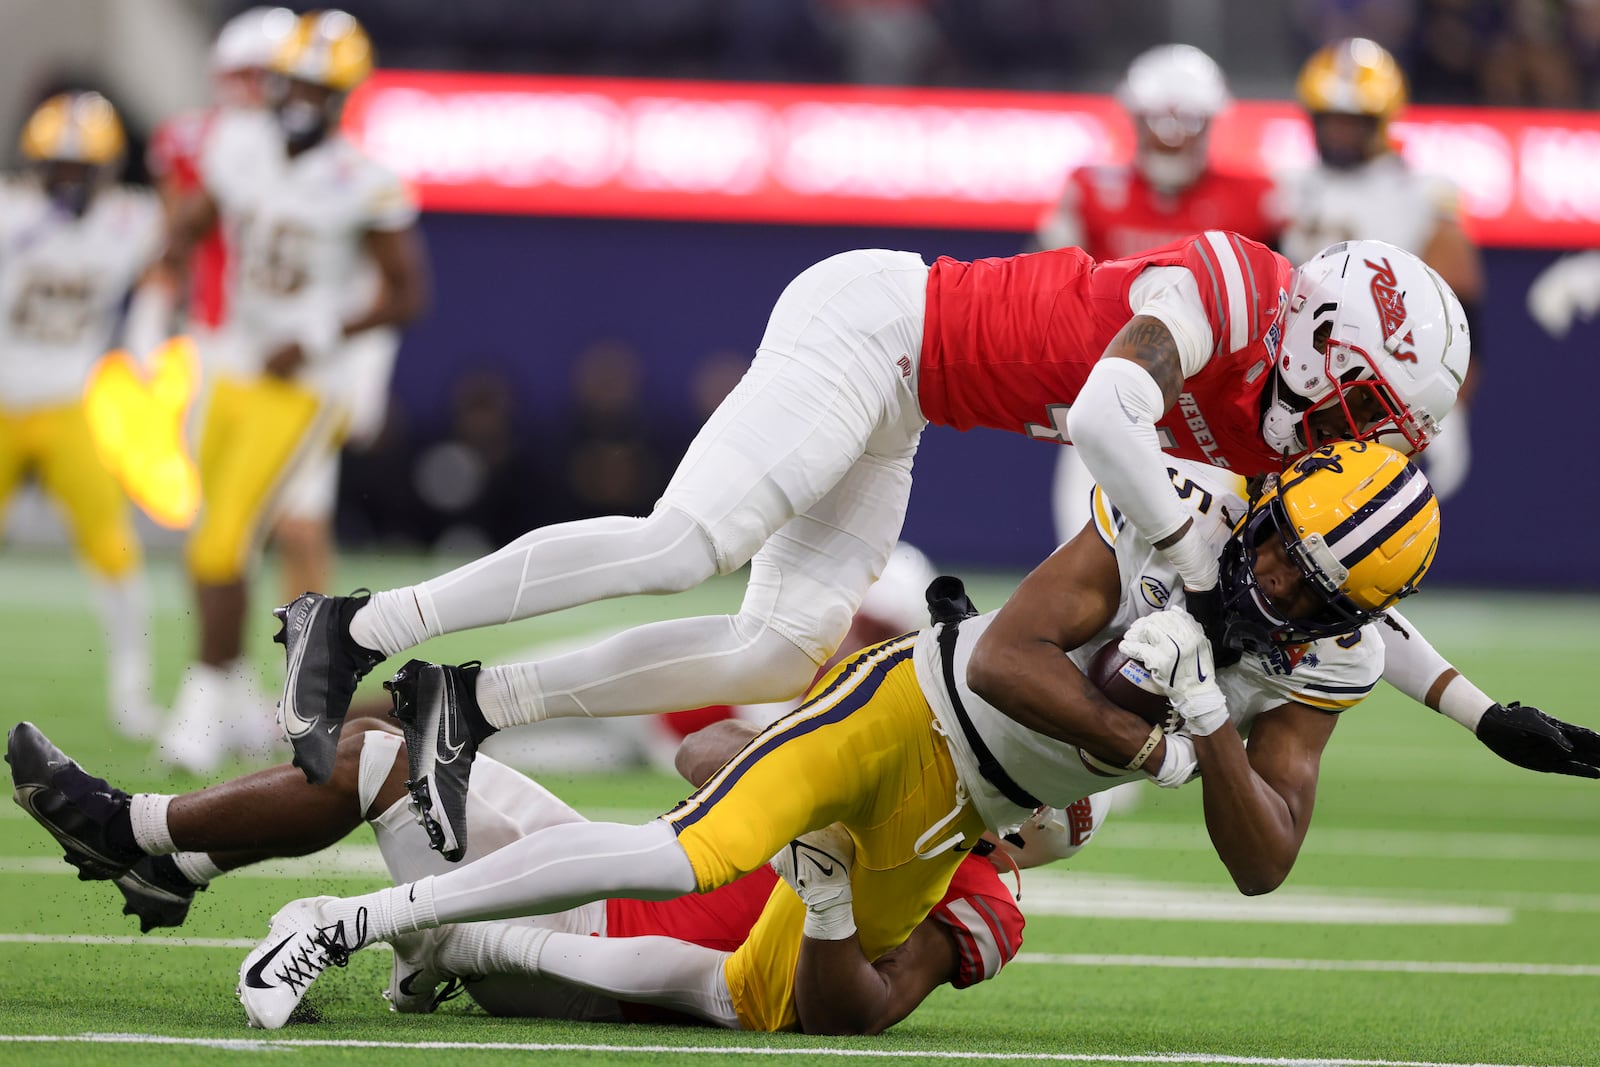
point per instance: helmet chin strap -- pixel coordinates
(1280, 423)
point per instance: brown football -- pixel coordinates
(1127, 684)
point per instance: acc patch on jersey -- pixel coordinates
(1154, 591)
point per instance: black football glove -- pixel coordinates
(1529, 738)
(1206, 607)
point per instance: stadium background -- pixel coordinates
(569, 356)
(1444, 910)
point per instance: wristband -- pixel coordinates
(1150, 743)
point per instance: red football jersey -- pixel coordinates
(977, 909)
(174, 160)
(1118, 213)
(1008, 343)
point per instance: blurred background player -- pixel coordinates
(1362, 188)
(73, 243)
(1171, 93)
(240, 58)
(322, 250)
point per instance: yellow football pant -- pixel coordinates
(253, 434)
(861, 751)
(55, 444)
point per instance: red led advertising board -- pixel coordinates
(968, 159)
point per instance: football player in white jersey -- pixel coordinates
(73, 243)
(920, 744)
(324, 261)
(1362, 188)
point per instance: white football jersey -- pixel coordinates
(1383, 199)
(62, 284)
(295, 229)
(1331, 674)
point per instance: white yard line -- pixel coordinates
(267, 1044)
(1219, 963)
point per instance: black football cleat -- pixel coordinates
(324, 666)
(438, 708)
(75, 806)
(156, 893)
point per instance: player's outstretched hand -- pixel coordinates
(1206, 607)
(1526, 736)
(1174, 649)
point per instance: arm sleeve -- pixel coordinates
(1113, 424)
(1411, 664)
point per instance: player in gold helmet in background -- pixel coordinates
(72, 243)
(1362, 188)
(325, 265)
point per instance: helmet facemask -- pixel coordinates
(1251, 622)
(1356, 526)
(1329, 383)
(1171, 148)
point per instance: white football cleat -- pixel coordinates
(414, 980)
(818, 864)
(302, 942)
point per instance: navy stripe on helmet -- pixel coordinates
(865, 687)
(1390, 528)
(1370, 508)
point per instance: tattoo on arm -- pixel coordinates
(1148, 342)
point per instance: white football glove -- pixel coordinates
(1174, 649)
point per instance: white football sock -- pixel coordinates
(545, 570)
(645, 970)
(123, 606)
(664, 666)
(551, 870)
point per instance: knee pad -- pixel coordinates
(684, 555)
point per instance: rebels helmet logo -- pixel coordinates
(1391, 305)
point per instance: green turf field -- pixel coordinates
(1444, 909)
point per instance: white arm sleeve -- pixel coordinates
(1113, 425)
(1172, 295)
(1062, 225)
(1412, 665)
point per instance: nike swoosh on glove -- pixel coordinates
(1174, 649)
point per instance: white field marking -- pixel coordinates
(144, 941)
(1129, 899)
(265, 1044)
(1407, 844)
(1273, 963)
(1054, 959)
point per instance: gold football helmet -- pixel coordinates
(74, 128)
(1354, 77)
(1360, 523)
(326, 48)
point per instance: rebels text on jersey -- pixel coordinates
(1008, 343)
(1112, 211)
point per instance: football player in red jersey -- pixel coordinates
(1172, 94)
(1212, 348)
(617, 960)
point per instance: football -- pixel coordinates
(1127, 684)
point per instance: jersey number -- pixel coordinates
(277, 257)
(53, 310)
(1186, 488)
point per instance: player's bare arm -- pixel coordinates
(1017, 664)
(402, 280)
(1258, 800)
(189, 218)
(708, 748)
(1146, 341)
(838, 991)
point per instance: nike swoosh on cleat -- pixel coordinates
(293, 724)
(405, 984)
(446, 737)
(252, 977)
